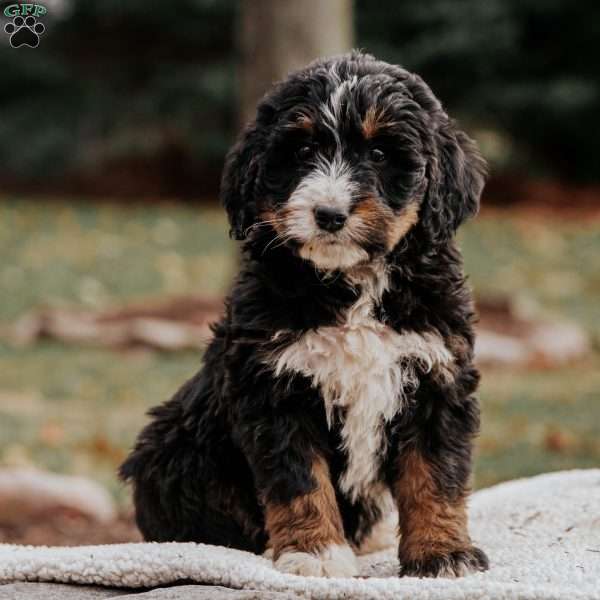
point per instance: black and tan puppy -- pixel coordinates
(339, 382)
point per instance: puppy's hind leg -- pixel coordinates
(192, 488)
(194, 505)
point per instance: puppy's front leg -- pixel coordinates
(306, 532)
(434, 538)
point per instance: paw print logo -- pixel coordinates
(24, 31)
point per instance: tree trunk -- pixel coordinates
(277, 36)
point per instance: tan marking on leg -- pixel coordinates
(430, 525)
(308, 523)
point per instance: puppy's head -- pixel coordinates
(344, 158)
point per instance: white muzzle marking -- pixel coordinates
(329, 184)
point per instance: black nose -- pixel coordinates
(329, 219)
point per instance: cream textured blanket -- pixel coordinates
(542, 536)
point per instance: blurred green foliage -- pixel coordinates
(141, 96)
(139, 84)
(77, 409)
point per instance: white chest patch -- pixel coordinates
(366, 368)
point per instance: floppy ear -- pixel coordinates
(238, 181)
(456, 179)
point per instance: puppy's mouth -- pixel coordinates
(330, 253)
(327, 238)
(336, 240)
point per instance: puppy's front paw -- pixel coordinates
(333, 561)
(455, 564)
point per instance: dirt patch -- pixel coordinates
(540, 198)
(62, 529)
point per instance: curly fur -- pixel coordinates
(347, 347)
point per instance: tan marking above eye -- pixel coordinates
(301, 121)
(370, 122)
(374, 121)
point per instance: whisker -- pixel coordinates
(283, 241)
(278, 237)
(258, 224)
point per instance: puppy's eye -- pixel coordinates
(377, 155)
(304, 152)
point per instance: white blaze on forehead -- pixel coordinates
(332, 108)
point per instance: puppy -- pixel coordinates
(339, 384)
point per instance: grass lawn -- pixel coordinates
(78, 410)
